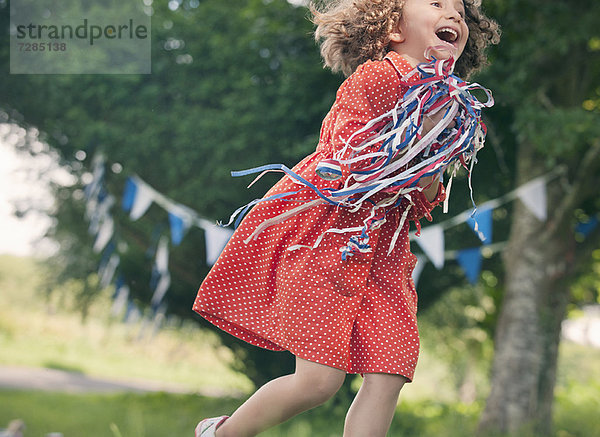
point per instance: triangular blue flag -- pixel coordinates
(154, 277)
(481, 223)
(585, 228)
(120, 282)
(470, 261)
(106, 254)
(129, 194)
(178, 228)
(102, 195)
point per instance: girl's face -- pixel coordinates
(436, 25)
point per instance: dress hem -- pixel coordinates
(259, 340)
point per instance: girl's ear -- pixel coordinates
(396, 35)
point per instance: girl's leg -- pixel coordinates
(371, 413)
(310, 385)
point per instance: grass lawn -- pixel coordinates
(37, 330)
(41, 331)
(161, 414)
(89, 415)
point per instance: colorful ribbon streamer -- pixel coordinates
(400, 151)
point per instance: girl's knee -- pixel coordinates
(322, 389)
(383, 382)
(318, 382)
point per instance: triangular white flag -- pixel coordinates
(105, 233)
(432, 243)
(416, 274)
(533, 196)
(162, 255)
(143, 199)
(107, 274)
(120, 301)
(216, 238)
(101, 210)
(161, 289)
(133, 314)
(93, 188)
(90, 206)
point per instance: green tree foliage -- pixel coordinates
(545, 77)
(234, 85)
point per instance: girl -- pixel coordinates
(290, 280)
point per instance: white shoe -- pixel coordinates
(208, 427)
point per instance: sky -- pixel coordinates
(21, 183)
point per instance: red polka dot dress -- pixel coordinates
(277, 292)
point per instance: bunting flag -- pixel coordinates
(92, 204)
(143, 198)
(132, 314)
(98, 205)
(161, 289)
(533, 196)
(161, 278)
(107, 274)
(95, 195)
(180, 220)
(129, 194)
(470, 261)
(104, 235)
(120, 297)
(162, 256)
(586, 227)
(178, 228)
(416, 274)
(216, 239)
(102, 207)
(105, 260)
(432, 243)
(106, 254)
(98, 168)
(481, 223)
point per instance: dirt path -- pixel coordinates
(27, 378)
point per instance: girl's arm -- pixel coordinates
(370, 92)
(432, 186)
(431, 183)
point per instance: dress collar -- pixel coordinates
(401, 65)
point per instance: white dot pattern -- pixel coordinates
(358, 315)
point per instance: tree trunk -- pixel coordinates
(537, 260)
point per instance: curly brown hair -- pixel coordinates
(354, 31)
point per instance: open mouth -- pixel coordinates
(447, 34)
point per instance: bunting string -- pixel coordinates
(139, 195)
(431, 241)
(532, 202)
(181, 217)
